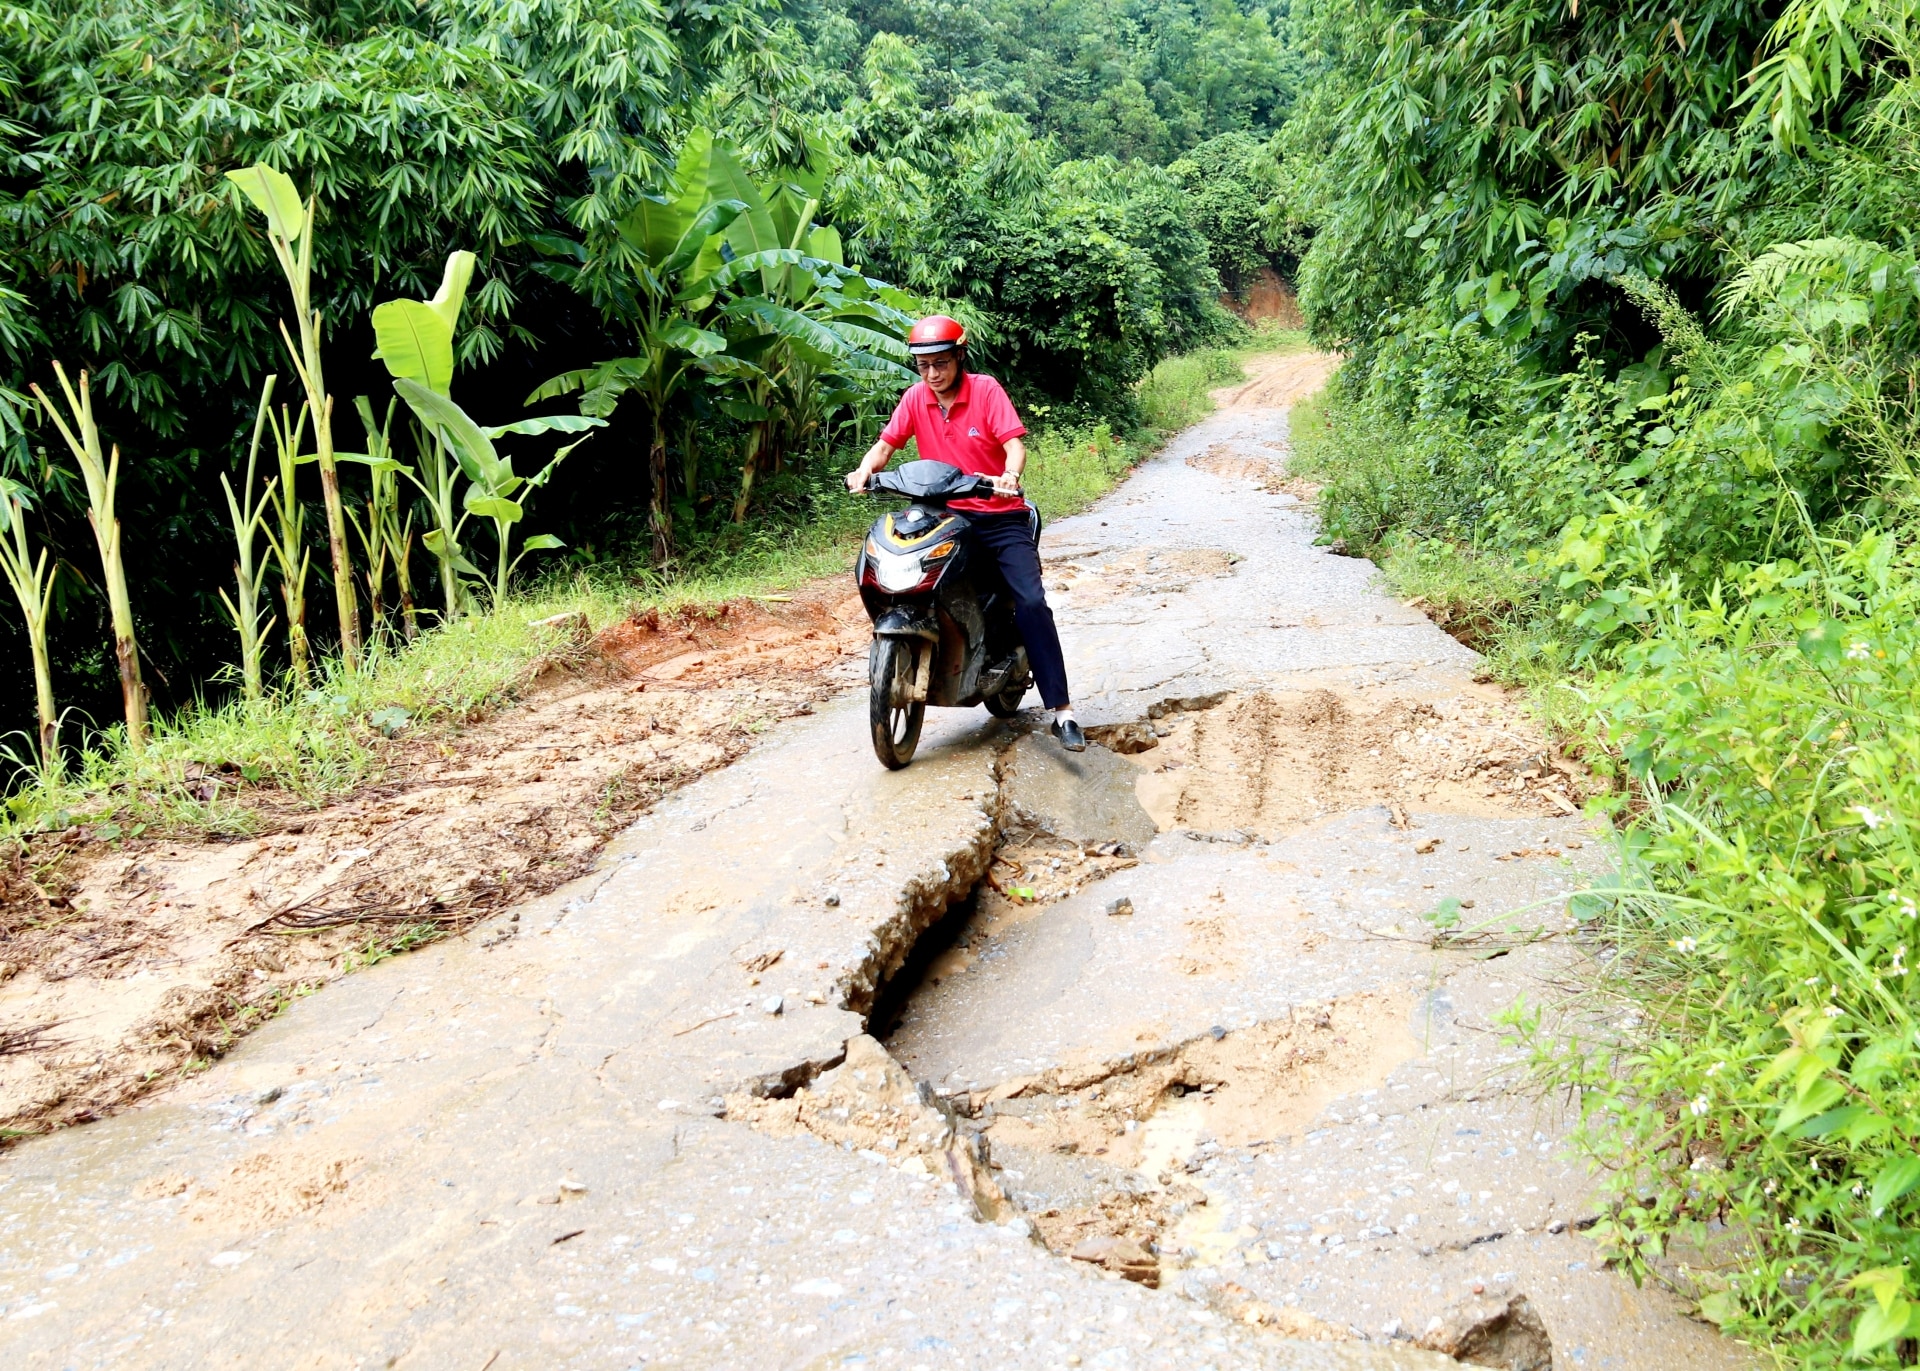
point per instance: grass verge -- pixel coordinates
(1741, 1048)
(195, 774)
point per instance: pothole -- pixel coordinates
(1110, 1160)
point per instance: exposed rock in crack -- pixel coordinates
(870, 1103)
(1491, 1329)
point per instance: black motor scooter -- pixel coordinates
(943, 629)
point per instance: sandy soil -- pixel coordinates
(123, 965)
(1276, 381)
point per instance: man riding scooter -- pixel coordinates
(966, 420)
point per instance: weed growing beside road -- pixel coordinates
(1747, 1062)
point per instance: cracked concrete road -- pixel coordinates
(511, 1151)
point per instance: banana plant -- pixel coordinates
(287, 537)
(415, 342)
(386, 534)
(290, 232)
(249, 516)
(668, 243)
(32, 580)
(825, 336)
(494, 490)
(102, 476)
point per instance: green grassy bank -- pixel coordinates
(1744, 1056)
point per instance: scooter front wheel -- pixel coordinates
(896, 719)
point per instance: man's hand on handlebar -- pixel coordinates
(857, 480)
(1007, 483)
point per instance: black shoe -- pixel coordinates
(1069, 734)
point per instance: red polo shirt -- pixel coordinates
(971, 435)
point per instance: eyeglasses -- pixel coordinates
(937, 360)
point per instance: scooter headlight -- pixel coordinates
(895, 571)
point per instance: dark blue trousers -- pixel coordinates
(1009, 537)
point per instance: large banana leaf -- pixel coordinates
(471, 448)
(710, 169)
(414, 338)
(791, 210)
(698, 341)
(812, 340)
(729, 366)
(869, 340)
(802, 266)
(548, 423)
(890, 320)
(452, 294)
(415, 342)
(566, 383)
(654, 226)
(824, 242)
(809, 340)
(601, 386)
(487, 506)
(865, 367)
(716, 218)
(273, 194)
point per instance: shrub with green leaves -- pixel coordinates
(1761, 1100)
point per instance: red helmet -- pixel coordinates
(936, 333)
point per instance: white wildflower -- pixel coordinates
(1857, 652)
(1714, 1070)
(1794, 1224)
(1700, 1106)
(1859, 1190)
(1684, 944)
(1833, 1011)
(1867, 816)
(1770, 1188)
(1900, 960)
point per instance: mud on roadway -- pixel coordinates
(1145, 1057)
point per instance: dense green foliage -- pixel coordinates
(1634, 342)
(962, 155)
(1145, 79)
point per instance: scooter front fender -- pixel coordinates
(902, 621)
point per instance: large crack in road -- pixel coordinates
(1165, 1067)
